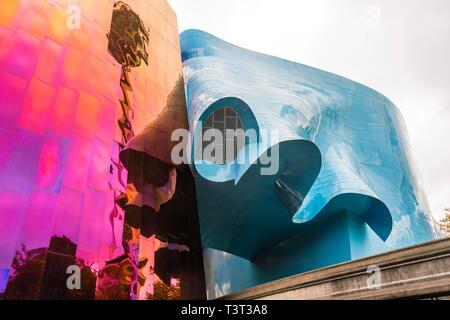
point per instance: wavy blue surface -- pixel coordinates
(347, 186)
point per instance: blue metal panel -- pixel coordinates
(346, 186)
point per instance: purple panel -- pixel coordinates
(6, 145)
(11, 218)
(37, 224)
(19, 171)
(68, 211)
(93, 221)
(4, 275)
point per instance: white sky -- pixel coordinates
(398, 47)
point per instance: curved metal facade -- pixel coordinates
(346, 187)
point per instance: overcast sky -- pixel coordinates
(398, 47)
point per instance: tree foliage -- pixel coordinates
(444, 224)
(164, 292)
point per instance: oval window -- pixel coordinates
(232, 139)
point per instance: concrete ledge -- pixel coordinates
(421, 271)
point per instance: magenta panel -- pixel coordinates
(38, 220)
(23, 56)
(77, 167)
(68, 213)
(51, 163)
(12, 93)
(11, 211)
(35, 111)
(62, 114)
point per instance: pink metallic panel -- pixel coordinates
(11, 213)
(52, 163)
(12, 93)
(77, 167)
(23, 55)
(48, 66)
(62, 115)
(68, 214)
(92, 222)
(37, 223)
(36, 107)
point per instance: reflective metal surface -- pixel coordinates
(86, 180)
(346, 187)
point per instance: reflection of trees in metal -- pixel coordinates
(444, 224)
(164, 292)
(128, 40)
(157, 198)
(117, 276)
(40, 273)
(26, 274)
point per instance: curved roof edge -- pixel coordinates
(189, 33)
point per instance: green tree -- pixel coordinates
(164, 292)
(444, 224)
